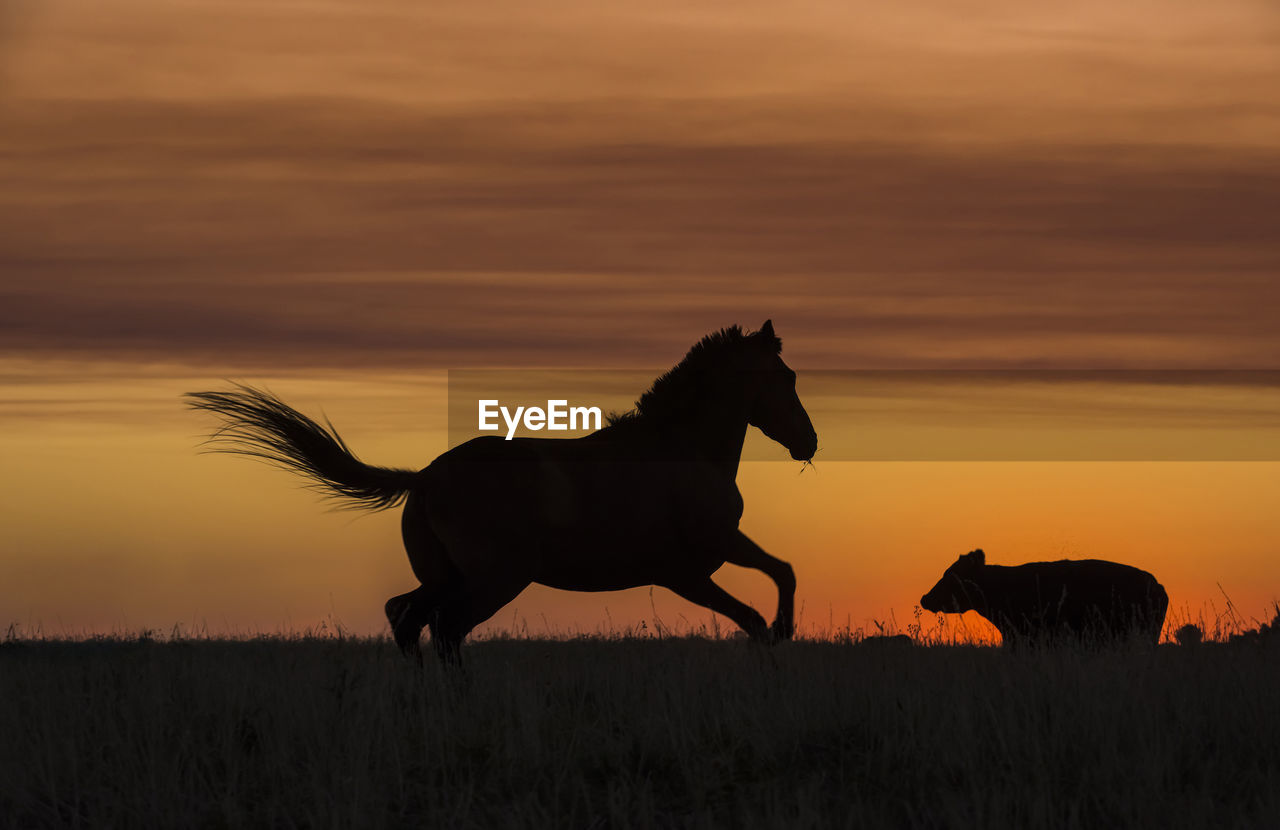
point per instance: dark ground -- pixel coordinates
(631, 732)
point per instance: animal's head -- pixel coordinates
(775, 407)
(956, 591)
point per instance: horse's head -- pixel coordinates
(775, 406)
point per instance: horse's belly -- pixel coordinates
(579, 525)
(594, 541)
(594, 559)
(613, 561)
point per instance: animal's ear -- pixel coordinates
(974, 558)
(767, 329)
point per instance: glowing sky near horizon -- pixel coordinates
(345, 200)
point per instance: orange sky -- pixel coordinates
(345, 200)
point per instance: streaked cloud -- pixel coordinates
(330, 185)
(338, 253)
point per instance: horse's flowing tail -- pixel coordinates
(257, 423)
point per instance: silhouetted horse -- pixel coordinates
(651, 499)
(1085, 600)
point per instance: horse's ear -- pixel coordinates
(974, 558)
(767, 329)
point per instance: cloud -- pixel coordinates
(303, 198)
(208, 238)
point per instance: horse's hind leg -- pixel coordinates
(746, 553)
(409, 613)
(466, 608)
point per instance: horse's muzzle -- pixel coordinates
(804, 450)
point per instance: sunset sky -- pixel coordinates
(345, 200)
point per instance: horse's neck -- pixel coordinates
(724, 447)
(718, 435)
(711, 427)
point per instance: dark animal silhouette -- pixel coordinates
(1085, 600)
(1189, 635)
(651, 499)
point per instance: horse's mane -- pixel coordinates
(679, 384)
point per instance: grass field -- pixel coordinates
(635, 732)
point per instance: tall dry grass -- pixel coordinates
(635, 732)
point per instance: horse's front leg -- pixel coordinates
(702, 591)
(742, 551)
